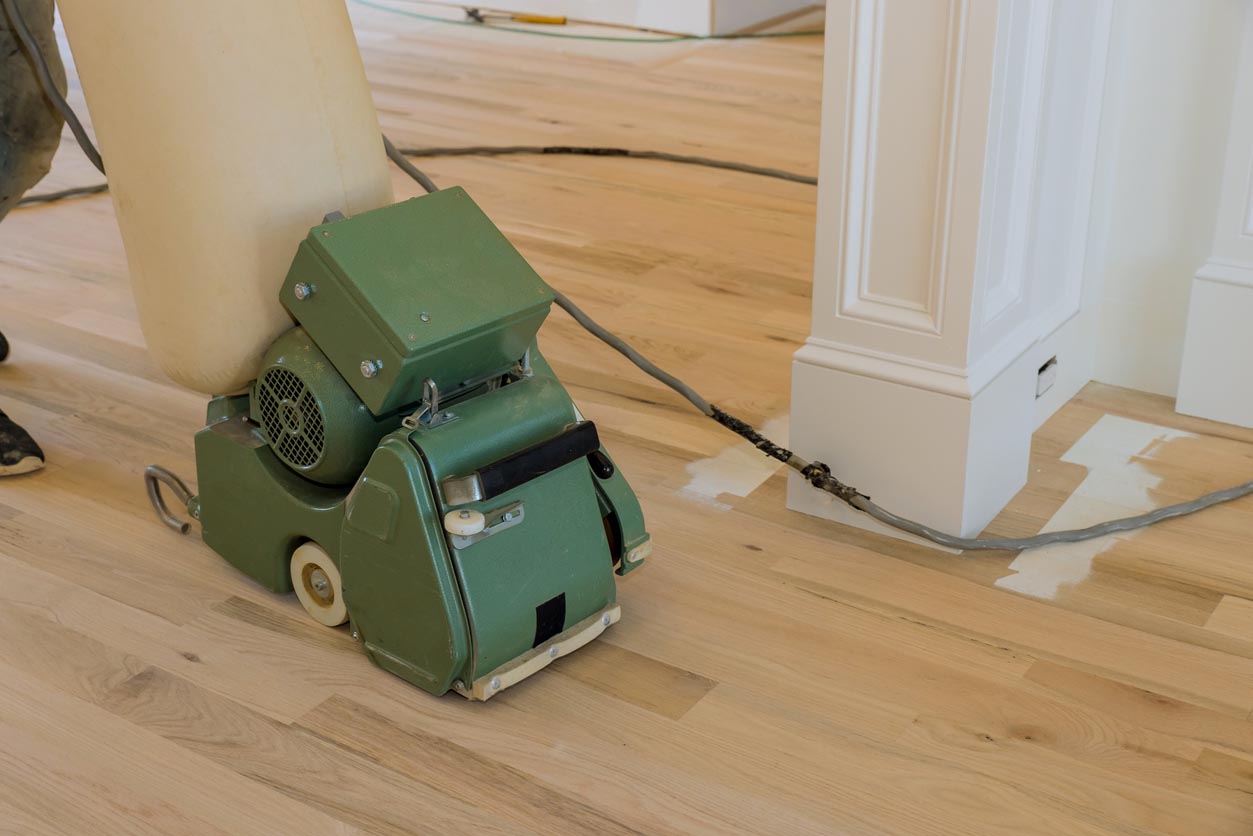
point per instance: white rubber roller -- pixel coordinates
(318, 585)
(464, 523)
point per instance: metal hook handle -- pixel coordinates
(430, 394)
(429, 405)
(154, 477)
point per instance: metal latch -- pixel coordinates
(428, 414)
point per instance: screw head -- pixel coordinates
(604, 619)
(507, 516)
(552, 652)
(320, 585)
(303, 290)
(426, 317)
(371, 368)
(465, 515)
(495, 683)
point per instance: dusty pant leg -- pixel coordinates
(30, 131)
(30, 127)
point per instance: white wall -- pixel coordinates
(691, 17)
(1168, 100)
(737, 15)
(1215, 382)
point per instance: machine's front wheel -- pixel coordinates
(318, 585)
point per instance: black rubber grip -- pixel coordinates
(601, 464)
(508, 473)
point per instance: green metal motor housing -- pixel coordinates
(313, 420)
(470, 610)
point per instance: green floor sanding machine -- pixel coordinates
(407, 462)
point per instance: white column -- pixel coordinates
(1216, 380)
(958, 143)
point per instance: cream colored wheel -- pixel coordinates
(318, 585)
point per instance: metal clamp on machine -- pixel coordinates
(518, 468)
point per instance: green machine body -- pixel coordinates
(407, 460)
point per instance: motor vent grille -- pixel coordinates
(291, 418)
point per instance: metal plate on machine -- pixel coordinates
(495, 522)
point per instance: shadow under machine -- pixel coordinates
(407, 461)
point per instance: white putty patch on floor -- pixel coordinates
(1118, 485)
(738, 470)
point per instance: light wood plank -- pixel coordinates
(1233, 616)
(773, 673)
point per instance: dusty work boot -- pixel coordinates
(30, 126)
(18, 451)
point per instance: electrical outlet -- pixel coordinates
(1046, 377)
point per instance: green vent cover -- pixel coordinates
(290, 418)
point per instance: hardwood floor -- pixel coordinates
(773, 673)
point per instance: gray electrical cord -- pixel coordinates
(1182, 509)
(597, 151)
(50, 89)
(409, 168)
(816, 473)
(619, 345)
(819, 475)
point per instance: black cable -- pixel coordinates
(50, 89)
(399, 157)
(52, 197)
(598, 151)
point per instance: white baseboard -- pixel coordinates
(950, 459)
(685, 17)
(1216, 382)
(738, 15)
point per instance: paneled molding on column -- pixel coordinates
(1216, 381)
(958, 146)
